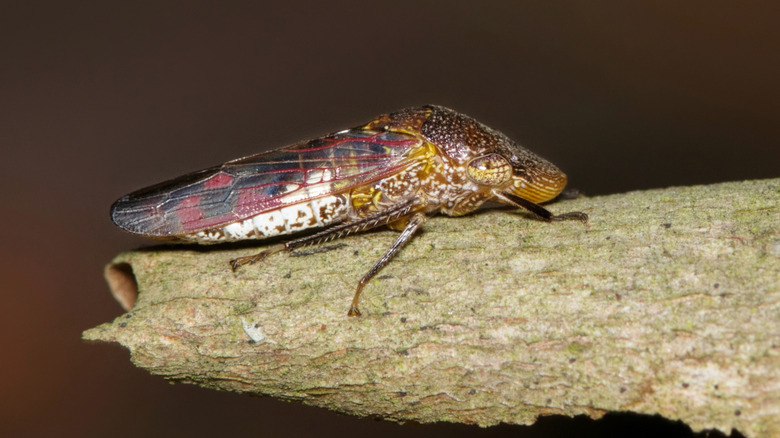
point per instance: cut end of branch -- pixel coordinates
(122, 283)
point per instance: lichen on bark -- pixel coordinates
(668, 303)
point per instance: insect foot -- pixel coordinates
(574, 215)
(249, 260)
(241, 261)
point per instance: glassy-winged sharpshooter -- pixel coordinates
(395, 170)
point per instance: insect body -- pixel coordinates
(395, 170)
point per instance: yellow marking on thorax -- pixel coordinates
(423, 162)
(363, 196)
(428, 154)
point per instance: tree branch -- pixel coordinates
(669, 303)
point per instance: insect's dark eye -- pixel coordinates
(491, 170)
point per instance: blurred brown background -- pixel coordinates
(99, 99)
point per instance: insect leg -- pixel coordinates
(414, 223)
(542, 212)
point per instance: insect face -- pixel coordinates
(537, 184)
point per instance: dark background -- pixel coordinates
(98, 99)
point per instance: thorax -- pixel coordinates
(435, 181)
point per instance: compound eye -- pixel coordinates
(489, 170)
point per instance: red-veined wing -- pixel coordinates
(246, 187)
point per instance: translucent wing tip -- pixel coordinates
(137, 216)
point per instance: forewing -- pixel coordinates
(249, 186)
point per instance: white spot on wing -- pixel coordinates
(238, 230)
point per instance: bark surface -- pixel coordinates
(668, 303)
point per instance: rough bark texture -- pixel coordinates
(669, 303)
